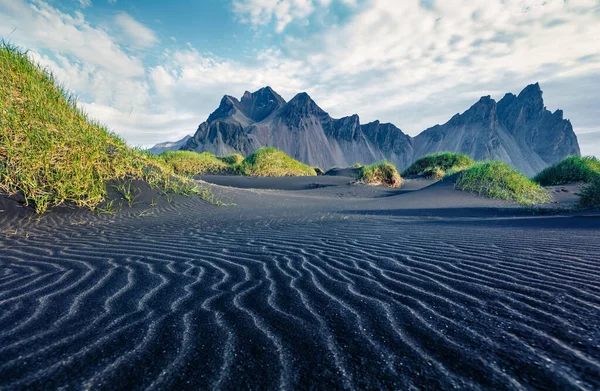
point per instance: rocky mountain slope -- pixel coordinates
(518, 130)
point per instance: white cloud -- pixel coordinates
(191, 80)
(85, 3)
(135, 33)
(40, 26)
(283, 12)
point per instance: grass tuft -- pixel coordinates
(438, 165)
(52, 153)
(570, 170)
(381, 173)
(193, 163)
(590, 195)
(319, 171)
(494, 179)
(275, 163)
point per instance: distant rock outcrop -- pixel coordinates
(517, 129)
(168, 146)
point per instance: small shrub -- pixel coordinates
(232, 159)
(590, 195)
(275, 163)
(192, 163)
(569, 170)
(438, 165)
(381, 173)
(494, 179)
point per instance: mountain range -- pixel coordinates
(518, 129)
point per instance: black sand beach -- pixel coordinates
(306, 283)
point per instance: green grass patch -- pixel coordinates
(590, 195)
(319, 170)
(438, 165)
(273, 162)
(570, 170)
(52, 153)
(193, 163)
(494, 179)
(380, 173)
(232, 159)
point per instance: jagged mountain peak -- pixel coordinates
(532, 96)
(532, 90)
(301, 97)
(252, 107)
(227, 108)
(302, 105)
(260, 104)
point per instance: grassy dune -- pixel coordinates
(52, 153)
(498, 180)
(275, 163)
(381, 173)
(570, 170)
(438, 165)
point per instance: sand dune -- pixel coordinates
(338, 287)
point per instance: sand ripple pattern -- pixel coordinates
(353, 304)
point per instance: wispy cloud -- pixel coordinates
(136, 34)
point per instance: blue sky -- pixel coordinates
(153, 70)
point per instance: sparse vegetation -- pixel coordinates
(127, 193)
(232, 159)
(273, 162)
(357, 165)
(381, 173)
(319, 170)
(52, 153)
(590, 195)
(438, 165)
(570, 170)
(193, 163)
(495, 179)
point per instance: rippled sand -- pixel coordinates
(324, 286)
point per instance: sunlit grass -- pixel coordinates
(495, 179)
(192, 163)
(275, 163)
(381, 173)
(52, 153)
(438, 165)
(570, 170)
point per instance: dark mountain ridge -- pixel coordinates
(518, 130)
